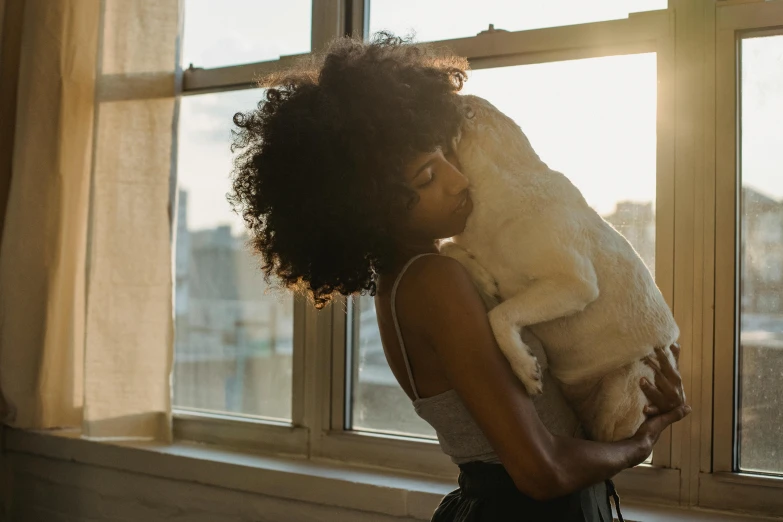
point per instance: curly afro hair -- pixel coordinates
(318, 168)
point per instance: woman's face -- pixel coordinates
(444, 202)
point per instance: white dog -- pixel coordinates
(559, 270)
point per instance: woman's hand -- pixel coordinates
(667, 400)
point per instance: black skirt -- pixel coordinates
(487, 493)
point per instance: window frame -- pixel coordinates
(721, 484)
(695, 42)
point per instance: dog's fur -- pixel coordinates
(558, 269)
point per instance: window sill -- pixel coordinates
(317, 482)
(742, 491)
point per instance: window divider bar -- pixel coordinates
(750, 16)
(639, 29)
(341, 348)
(298, 362)
(725, 250)
(328, 22)
(316, 384)
(358, 16)
(703, 375)
(198, 80)
(665, 201)
(559, 55)
(240, 434)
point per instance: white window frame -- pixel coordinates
(723, 486)
(695, 43)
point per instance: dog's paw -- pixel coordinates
(531, 376)
(523, 363)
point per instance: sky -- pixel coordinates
(592, 119)
(230, 32)
(761, 118)
(444, 19)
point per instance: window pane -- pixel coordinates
(595, 121)
(231, 32)
(233, 338)
(760, 419)
(379, 404)
(444, 19)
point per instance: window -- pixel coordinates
(234, 338)
(603, 96)
(760, 419)
(445, 19)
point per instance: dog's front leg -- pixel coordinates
(549, 297)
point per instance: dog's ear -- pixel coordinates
(456, 139)
(468, 113)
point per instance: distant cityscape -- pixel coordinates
(760, 361)
(234, 337)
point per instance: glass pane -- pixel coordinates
(231, 32)
(379, 404)
(595, 121)
(760, 419)
(233, 350)
(444, 19)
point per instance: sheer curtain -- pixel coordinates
(85, 266)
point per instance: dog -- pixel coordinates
(546, 262)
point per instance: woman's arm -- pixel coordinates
(668, 406)
(447, 310)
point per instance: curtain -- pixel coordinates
(86, 312)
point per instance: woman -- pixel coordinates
(345, 181)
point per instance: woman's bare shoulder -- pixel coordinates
(435, 279)
(435, 288)
(437, 269)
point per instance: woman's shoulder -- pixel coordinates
(433, 272)
(432, 283)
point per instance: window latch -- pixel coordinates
(491, 29)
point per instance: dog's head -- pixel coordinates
(487, 137)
